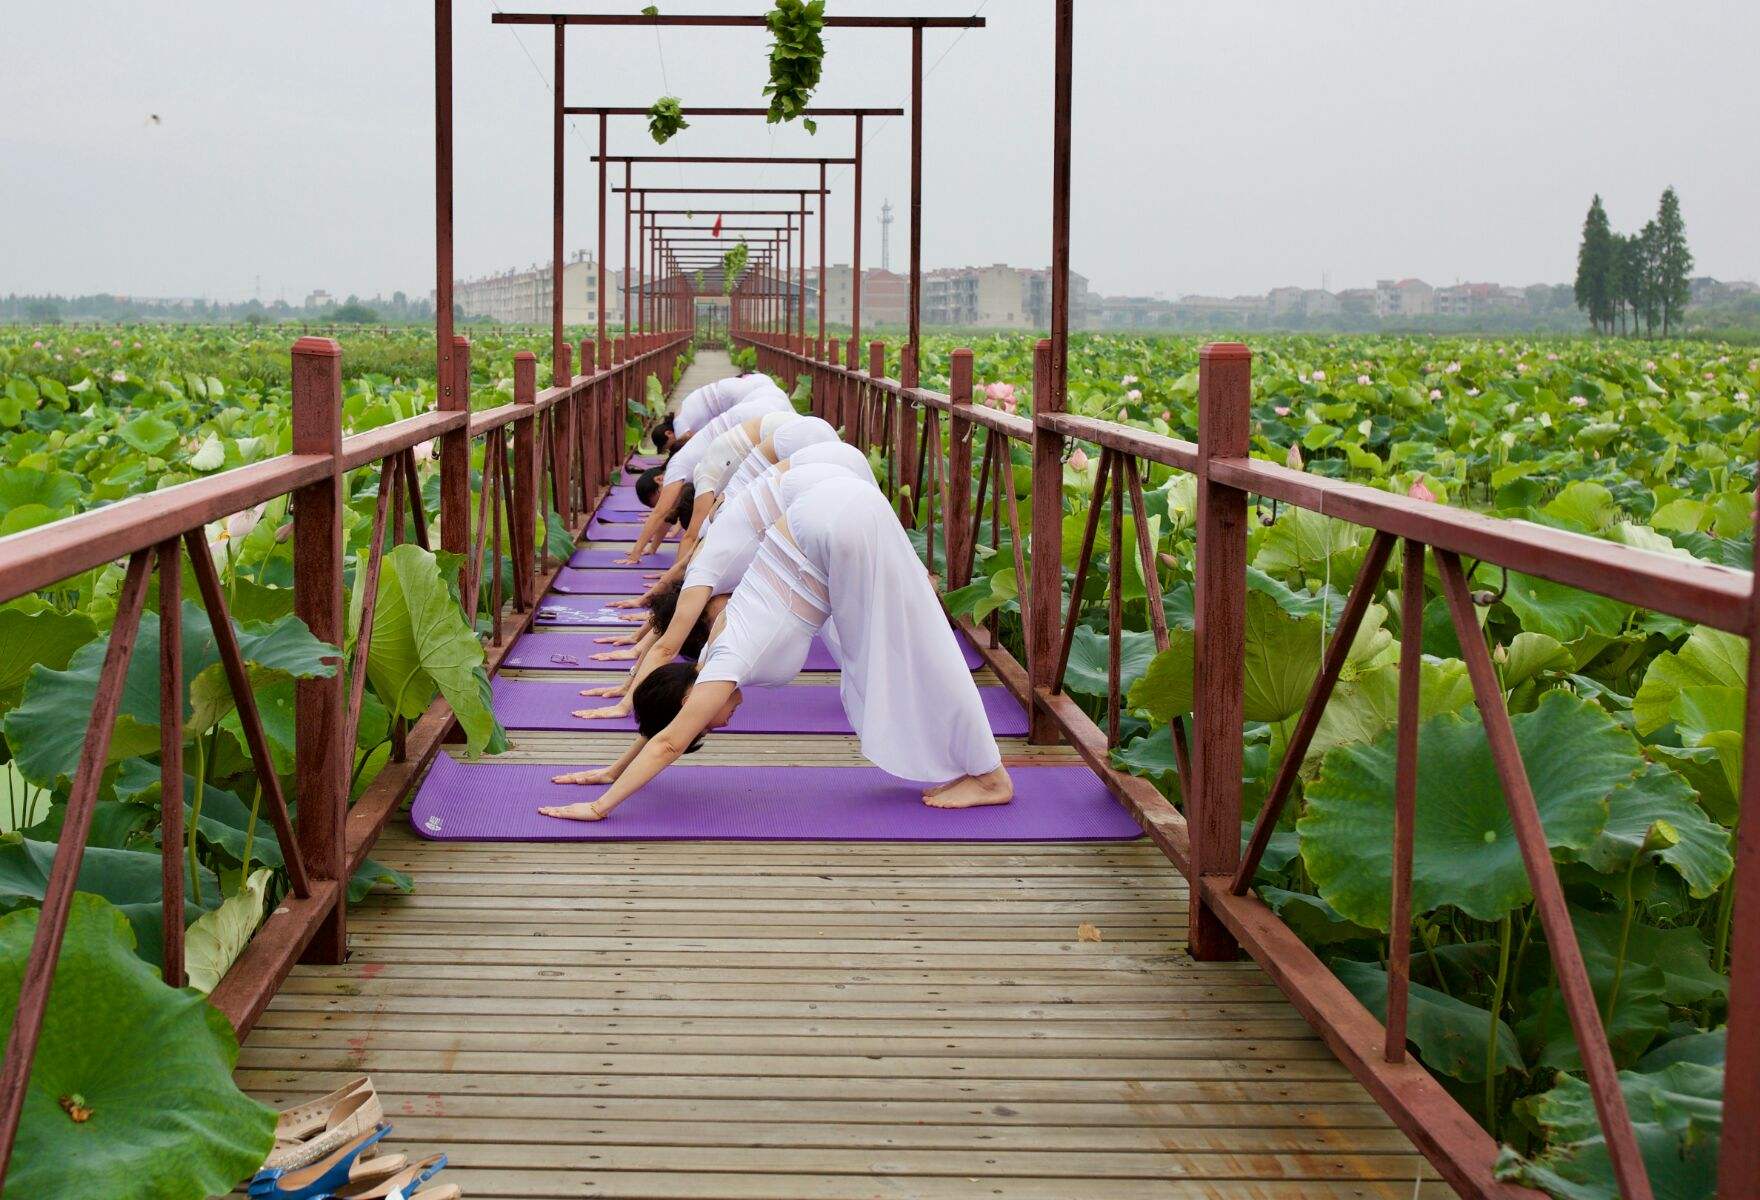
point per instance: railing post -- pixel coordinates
(592, 466)
(1043, 614)
(320, 756)
(524, 517)
(455, 460)
(833, 388)
(1738, 1171)
(618, 414)
(958, 517)
(1213, 814)
(876, 370)
(905, 446)
(563, 374)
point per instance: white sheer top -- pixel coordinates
(713, 399)
(683, 465)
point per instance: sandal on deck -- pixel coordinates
(403, 1185)
(355, 1114)
(300, 1122)
(321, 1178)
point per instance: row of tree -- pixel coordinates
(1641, 277)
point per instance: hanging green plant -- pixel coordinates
(666, 118)
(797, 54)
(733, 265)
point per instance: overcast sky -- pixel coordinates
(1219, 147)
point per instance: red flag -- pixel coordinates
(717, 230)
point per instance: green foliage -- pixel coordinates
(666, 119)
(797, 54)
(422, 647)
(130, 1094)
(733, 265)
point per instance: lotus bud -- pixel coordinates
(1293, 460)
(1484, 597)
(1418, 491)
(1078, 459)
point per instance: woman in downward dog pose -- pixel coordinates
(679, 610)
(837, 554)
(661, 491)
(711, 400)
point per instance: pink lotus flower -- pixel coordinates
(1293, 460)
(1078, 459)
(1453, 368)
(1133, 395)
(1435, 393)
(1579, 402)
(1419, 492)
(1362, 381)
(37, 345)
(1127, 381)
(137, 345)
(1319, 376)
(997, 394)
(1167, 415)
(1521, 368)
(1552, 358)
(119, 377)
(1124, 414)
(115, 343)
(1281, 410)
(1649, 364)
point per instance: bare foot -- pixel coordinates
(574, 812)
(595, 775)
(939, 788)
(975, 791)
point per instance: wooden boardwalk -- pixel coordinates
(753, 1021)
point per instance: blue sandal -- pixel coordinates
(321, 1179)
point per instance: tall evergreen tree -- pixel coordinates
(1674, 262)
(1596, 268)
(1647, 293)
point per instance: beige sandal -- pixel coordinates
(300, 1122)
(356, 1113)
(400, 1185)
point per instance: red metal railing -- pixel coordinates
(565, 441)
(1204, 841)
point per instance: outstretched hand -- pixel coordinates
(609, 712)
(628, 602)
(613, 655)
(574, 812)
(617, 639)
(596, 775)
(613, 689)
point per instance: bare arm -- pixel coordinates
(605, 774)
(654, 528)
(700, 707)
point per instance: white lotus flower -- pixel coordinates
(1319, 376)
(423, 451)
(1363, 381)
(1127, 381)
(1302, 375)
(119, 377)
(1741, 397)
(1133, 395)
(1472, 391)
(1435, 393)
(1579, 402)
(221, 534)
(1453, 368)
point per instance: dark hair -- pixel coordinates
(661, 695)
(648, 485)
(681, 512)
(665, 605)
(661, 434)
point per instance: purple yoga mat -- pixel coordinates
(594, 556)
(573, 581)
(588, 610)
(489, 801)
(542, 704)
(623, 508)
(620, 531)
(574, 652)
(642, 462)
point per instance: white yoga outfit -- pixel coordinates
(713, 399)
(796, 435)
(905, 685)
(727, 549)
(840, 454)
(683, 465)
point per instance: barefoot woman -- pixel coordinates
(837, 554)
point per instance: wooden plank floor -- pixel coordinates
(751, 1021)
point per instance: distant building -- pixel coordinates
(997, 297)
(1287, 303)
(1478, 299)
(523, 297)
(885, 296)
(1404, 298)
(320, 299)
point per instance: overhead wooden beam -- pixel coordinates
(730, 22)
